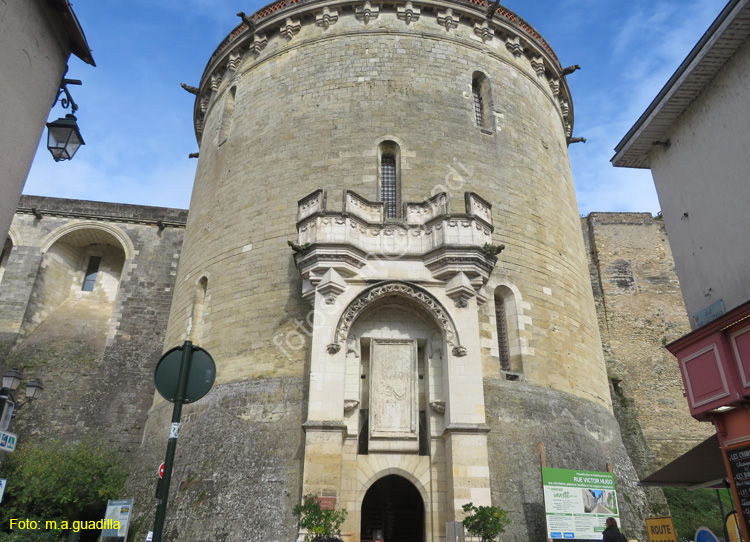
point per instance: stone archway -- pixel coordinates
(394, 508)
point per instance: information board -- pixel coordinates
(118, 514)
(739, 463)
(578, 502)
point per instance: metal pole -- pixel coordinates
(161, 510)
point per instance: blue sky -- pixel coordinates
(137, 121)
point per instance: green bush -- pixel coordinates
(486, 522)
(61, 482)
(320, 524)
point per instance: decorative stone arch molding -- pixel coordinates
(518, 322)
(125, 243)
(15, 237)
(423, 299)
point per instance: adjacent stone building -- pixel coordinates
(85, 291)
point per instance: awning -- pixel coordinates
(701, 467)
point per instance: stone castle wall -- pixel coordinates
(94, 351)
(640, 309)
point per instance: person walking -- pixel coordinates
(612, 533)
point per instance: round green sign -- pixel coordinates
(200, 377)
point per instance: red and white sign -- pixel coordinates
(161, 470)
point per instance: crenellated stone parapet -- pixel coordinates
(288, 24)
(359, 243)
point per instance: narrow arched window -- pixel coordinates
(226, 119)
(389, 157)
(509, 342)
(478, 107)
(501, 320)
(482, 98)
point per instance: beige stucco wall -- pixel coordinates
(32, 63)
(702, 180)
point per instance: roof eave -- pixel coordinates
(77, 39)
(632, 150)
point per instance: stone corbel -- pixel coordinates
(350, 404)
(215, 81)
(447, 19)
(438, 407)
(460, 290)
(331, 285)
(234, 61)
(333, 348)
(407, 13)
(290, 28)
(367, 12)
(327, 17)
(258, 44)
(514, 45)
(554, 85)
(459, 351)
(565, 108)
(484, 31)
(537, 64)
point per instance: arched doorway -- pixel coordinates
(394, 507)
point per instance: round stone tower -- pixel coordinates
(384, 256)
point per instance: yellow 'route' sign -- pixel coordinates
(661, 529)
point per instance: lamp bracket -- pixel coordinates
(67, 101)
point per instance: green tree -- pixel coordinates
(320, 524)
(486, 522)
(58, 481)
(698, 508)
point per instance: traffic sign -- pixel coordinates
(201, 374)
(3, 483)
(161, 470)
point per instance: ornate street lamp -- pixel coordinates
(63, 135)
(8, 406)
(64, 138)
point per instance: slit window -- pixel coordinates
(91, 271)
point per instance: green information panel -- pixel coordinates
(578, 502)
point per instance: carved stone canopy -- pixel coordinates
(354, 242)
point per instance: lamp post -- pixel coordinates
(8, 405)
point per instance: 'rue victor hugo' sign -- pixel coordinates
(739, 463)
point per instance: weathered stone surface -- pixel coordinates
(574, 432)
(237, 467)
(640, 309)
